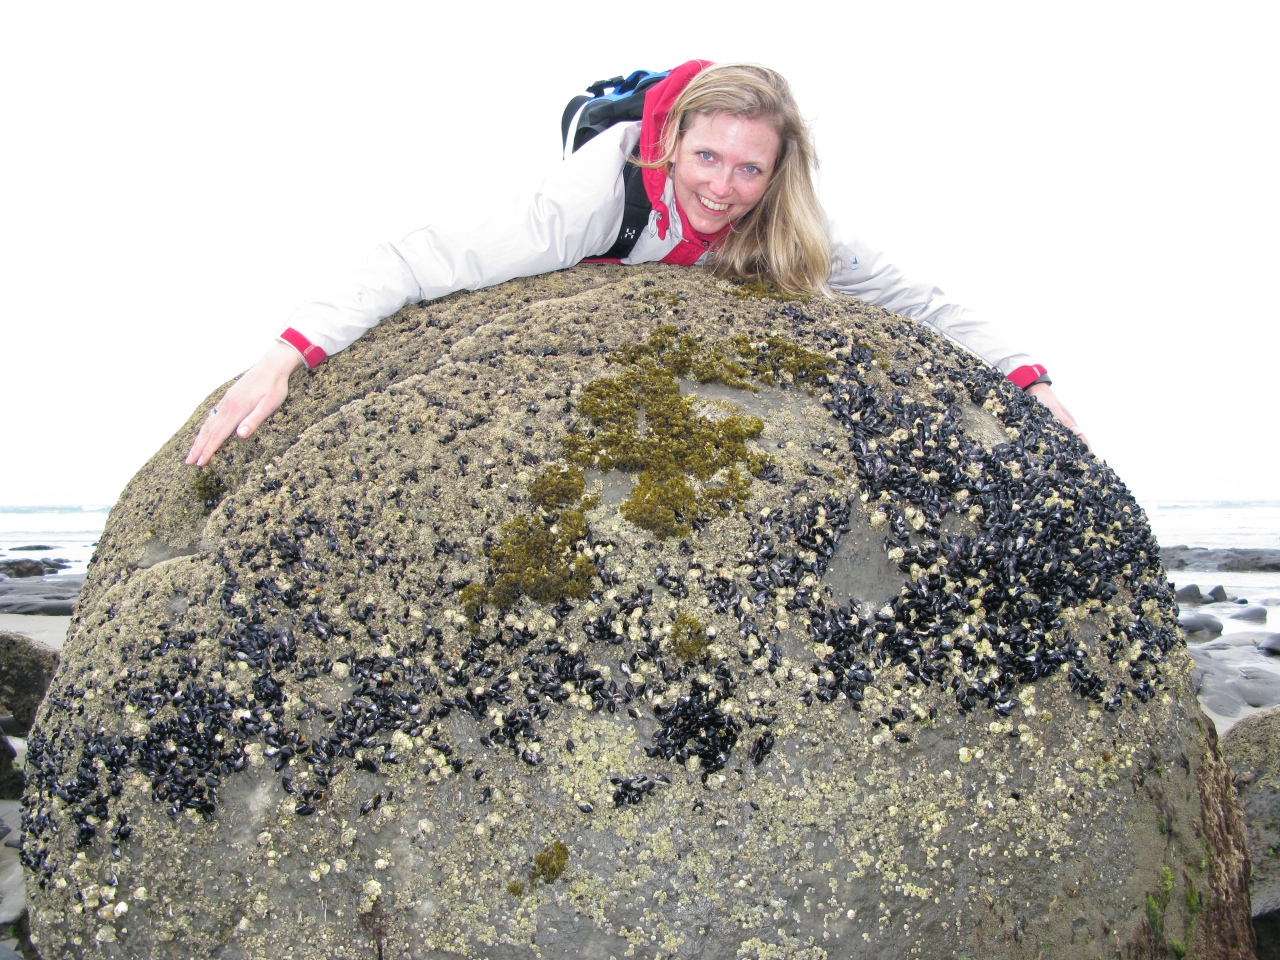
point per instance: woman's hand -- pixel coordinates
(251, 399)
(1044, 393)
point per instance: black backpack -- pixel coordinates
(605, 103)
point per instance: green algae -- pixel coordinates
(548, 867)
(560, 485)
(538, 557)
(209, 489)
(689, 639)
(693, 460)
(473, 596)
(550, 863)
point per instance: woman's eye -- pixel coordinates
(705, 155)
(752, 170)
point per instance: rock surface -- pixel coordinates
(1233, 559)
(24, 567)
(49, 596)
(890, 671)
(26, 667)
(1252, 751)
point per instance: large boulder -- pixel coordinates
(621, 612)
(26, 667)
(1252, 750)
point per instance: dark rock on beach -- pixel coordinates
(1233, 559)
(24, 567)
(621, 612)
(1252, 750)
(1189, 594)
(51, 596)
(1200, 626)
(32, 548)
(26, 667)
(1251, 614)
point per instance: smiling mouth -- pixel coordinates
(716, 207)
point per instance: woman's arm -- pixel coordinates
(574, 214)
(864, 273)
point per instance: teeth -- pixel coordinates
(718, 207)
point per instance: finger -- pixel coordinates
(213, 433)
(253, 421)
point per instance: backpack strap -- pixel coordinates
(606, 102)
(635, 212)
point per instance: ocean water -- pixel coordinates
(71, 531)
(1216, 523)
(1224, 523)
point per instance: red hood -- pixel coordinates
(657, 107)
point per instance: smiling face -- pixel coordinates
(722, 167)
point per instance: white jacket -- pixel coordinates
(576, 214)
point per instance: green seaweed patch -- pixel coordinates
(209, 489)
(736, 362)
(775, 360)
(473, 596)
(548, 866)
(550, 863)
(670, 299)
(640, 421)
(560, 485)
(764, 290)
(694, 463)
(538, 557)
(660, 503)
(681, 355)
(689, 639)
(642, 424)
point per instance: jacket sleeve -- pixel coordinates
(864, 273)
(576, 213)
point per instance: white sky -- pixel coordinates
(1099, 177)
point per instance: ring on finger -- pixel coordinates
(213, 412)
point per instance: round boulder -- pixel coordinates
(624, 612)
(1252, 613)
(1189, 594)
(1200, 626)
(1252, 750)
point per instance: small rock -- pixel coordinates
(1189, 594)
(1252, 613)
(1256, 692)
(1271, 644)
(1217, 594)
(22, 568)
(1200, 626)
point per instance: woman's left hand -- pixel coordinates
(1044, 393)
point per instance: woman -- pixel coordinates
(726, 166)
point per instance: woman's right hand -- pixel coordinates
(249, 401)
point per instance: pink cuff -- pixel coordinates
(1026, 375)
(313, 355)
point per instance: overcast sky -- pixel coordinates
(1099, 178)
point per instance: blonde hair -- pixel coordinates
(784, 238)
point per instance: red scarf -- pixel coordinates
(657, 107)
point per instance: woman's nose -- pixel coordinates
(721, 182)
